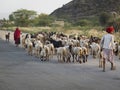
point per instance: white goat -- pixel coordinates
(23, 41)
(52, 49)
(95, 49)
(77, 54)
(63, 54)
(38, 47)
(45, 53)
(41, 38)
(29, 46)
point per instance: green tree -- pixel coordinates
(105, 18)
(44, 20)
(23, 17)
(83, 22)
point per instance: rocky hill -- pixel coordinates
(77, 9)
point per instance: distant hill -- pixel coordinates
(77, 9)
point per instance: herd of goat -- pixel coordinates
(66, 48)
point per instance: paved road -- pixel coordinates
(19, 71)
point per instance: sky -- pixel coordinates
(40, 6)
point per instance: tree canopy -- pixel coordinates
(23, 17)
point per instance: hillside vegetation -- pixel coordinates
(77, 9)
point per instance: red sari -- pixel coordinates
(17, 36)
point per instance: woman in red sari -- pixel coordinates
(17, 36)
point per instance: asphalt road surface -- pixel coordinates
(19, 71)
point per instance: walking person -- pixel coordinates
(17, 36)
(107, 44)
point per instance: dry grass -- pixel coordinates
(117, 36)
(94, 32)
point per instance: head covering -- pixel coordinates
(110, 29)
(17, 28)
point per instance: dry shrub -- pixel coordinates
(117, 36)
(78, 32)
(96, 33)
